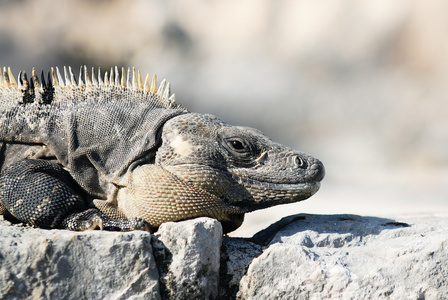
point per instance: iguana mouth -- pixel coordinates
(266, 194)
(288, 178)
(252, 193)
(246, 181)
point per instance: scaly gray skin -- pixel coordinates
(121, 155)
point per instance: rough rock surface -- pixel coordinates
(299, 257)
(351, 257)
(188, 256)
(236, 256)
(61, 264)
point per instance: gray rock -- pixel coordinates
(351, 257)
(299, 257)
(236, 255)
(60, 264)
(188, 256)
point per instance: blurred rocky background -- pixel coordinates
(361, 85)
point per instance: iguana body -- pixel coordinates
(113, 152)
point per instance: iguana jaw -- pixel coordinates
(284, 184)
(266, 194)
(245, 193)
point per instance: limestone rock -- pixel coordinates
(236, 255)
(61, 264)
(188, 256)
(299, 257)
(351, 257)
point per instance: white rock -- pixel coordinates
(352, 257)
(61, 264)
(300, 257)
(236, 255)
(188, 255)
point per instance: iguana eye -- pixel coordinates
(237, 145)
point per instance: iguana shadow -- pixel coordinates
(356, 225)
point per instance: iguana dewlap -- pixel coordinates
(118, 153)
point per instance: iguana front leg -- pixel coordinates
(43, 194)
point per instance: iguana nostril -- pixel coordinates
(299, 162)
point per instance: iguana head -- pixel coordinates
(238, 165)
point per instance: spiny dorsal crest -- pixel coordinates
(124, 83)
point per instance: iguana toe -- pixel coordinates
(92, 219)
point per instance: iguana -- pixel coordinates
(118, 153)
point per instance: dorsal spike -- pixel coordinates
(12, 81)
(68, 82)
(35, 77)
(24, 80)
(54, 79)
(154, 84)
(19, 80)
(2, 83)
(172, 99)
(72, 76)
(134, 79)
(123, 77)
(161, 88)
(32, 83)
(140, 81)
(100, 80)
(5, 78)
(117, 77)
(128, 78)
(49, 79)
(60, 79)
(81, 82)
(111, 76)
(147, 85)
(106, 79)
(42, 77)
(166, 92)
(94, 81)
(86, 76)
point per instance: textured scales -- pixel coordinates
(116, 151)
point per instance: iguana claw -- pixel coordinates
(95, 223)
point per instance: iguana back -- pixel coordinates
(95, 129)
